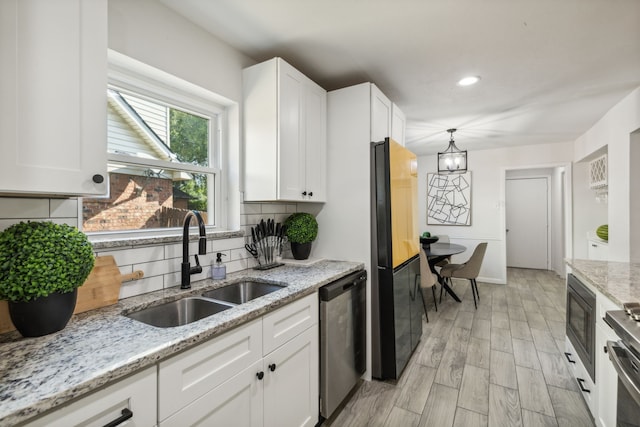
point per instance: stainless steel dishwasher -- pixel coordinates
(342, 339)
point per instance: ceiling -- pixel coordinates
(549, 69)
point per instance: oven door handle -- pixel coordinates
(623, 376)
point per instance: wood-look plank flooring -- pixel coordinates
(499, 365)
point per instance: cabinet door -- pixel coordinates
(238, 402)
(53, 109)
(291, 382)
(136, 393)
(315, 143)
(606, 378)
(598, 251)
(380, 115)
(190, 375)
(398, 123)
(291, 149)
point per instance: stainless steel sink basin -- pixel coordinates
(241, 292)
(179, 312)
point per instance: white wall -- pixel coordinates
(152, 33)
(488, 169)
(614, 131)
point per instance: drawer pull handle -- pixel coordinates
(126, 414)
(272, 367)
(580, 383)
(260, 375)
(568, 356)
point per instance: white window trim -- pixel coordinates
(130, 74)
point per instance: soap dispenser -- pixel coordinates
(219, 270)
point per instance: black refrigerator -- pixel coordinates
(396, 305)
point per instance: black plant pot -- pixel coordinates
(300, 250)
(43, 315)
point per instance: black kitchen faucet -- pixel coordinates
(187, 270)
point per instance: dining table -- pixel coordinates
(437, 252)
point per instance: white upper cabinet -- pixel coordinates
(285, 134)
(380, 115)
(398, 124)
(53, 105)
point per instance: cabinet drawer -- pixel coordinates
(287, 322)
(136, 393)
(578, 370)
(187, 376)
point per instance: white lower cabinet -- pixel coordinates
(261, 374)
(237, 402)
(186, 377)
(606, 375)
(291, 389)
(585, 383)
(132, 400)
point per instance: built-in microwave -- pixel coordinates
(581, 305)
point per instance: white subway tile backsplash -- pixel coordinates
(236, 254)
(142, 286)
(237, 265)
(273, 208)
(251, 208)
(154, 268)
(136, 255)
(24, 208)
(160, 263)
(63, 208)
(226, 244)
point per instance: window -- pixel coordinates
(164, 153)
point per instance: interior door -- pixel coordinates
(527, 221)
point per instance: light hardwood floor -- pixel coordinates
(499, 365)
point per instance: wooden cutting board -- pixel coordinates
(102, 288)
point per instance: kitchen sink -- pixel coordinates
(241, 292)
(178, 313)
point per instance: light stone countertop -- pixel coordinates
(99, 346)
(619, 281)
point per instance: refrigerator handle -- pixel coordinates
(415, 288)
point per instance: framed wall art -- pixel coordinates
(449, 199)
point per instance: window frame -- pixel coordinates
(130, 75)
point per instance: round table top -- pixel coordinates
(444, 249)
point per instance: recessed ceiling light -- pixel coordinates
(468, 81)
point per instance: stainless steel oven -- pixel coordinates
(626, 365)
(625, 357)
(581, 324)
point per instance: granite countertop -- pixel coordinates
(619, 281)
(99, 346)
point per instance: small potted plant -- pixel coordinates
(41, 266)
(302, 229)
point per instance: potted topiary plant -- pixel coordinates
(41, 266)
(302, 229)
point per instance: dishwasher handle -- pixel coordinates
(340, 286)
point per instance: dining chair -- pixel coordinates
(469, 270)
(427, 280)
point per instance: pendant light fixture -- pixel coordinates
(452, 160)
